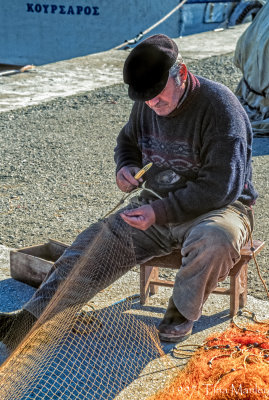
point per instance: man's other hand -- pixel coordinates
(125, 179)
(141, 218)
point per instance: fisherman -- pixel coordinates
(198, 194)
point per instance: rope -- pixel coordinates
(141, 34)
(252, 249)
(125, 197)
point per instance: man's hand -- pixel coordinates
(141, 218)
(125, 179)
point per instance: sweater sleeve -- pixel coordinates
(127, 151)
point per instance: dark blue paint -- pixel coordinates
(62, 9)
(53, 8)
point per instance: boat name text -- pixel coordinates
(69, 10)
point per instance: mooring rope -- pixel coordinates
(141, 34)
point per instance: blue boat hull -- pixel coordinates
(40, 32)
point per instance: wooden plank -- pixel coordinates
(28, 268)
(172, 260)
(31, 264)
(162, 282)
(257, 244)
(221, 291)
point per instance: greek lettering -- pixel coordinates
(70, 10)
(38, 8)
(95, 11)
(46, 6)
(62, 10)
(53, 8)
(30, 7)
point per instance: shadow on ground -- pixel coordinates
(13, 294)
(260, 146)
(97, 364)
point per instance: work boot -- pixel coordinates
(14, 327)
(174, 327)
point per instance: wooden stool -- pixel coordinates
(149, 276)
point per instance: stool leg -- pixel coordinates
(146, 272)
(234, 294)
(153, 289)
(243, 277)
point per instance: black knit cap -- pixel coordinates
(146, 69)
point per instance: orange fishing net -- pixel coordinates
(74, 351)
(229, 366)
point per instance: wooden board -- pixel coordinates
(31, 264)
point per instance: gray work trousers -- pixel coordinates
(210, 246)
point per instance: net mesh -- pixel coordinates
(73, 351)
(230, 365)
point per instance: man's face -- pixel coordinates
(166, 101)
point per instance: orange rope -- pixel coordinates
(232, 365)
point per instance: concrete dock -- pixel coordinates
(78, 75)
